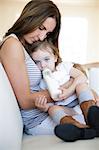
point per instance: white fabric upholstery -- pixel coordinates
(10, 118)
(54, 143)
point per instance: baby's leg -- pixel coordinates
(63, 115)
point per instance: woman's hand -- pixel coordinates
(41, 103)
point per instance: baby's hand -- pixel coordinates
(65, 94)
(61, 96)
(41, 103)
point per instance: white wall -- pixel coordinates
(90, 10)
(91, 13)
(8, 13)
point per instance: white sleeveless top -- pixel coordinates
(33, 117)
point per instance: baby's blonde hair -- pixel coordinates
(43, 45)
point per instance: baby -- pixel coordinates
(67, 85)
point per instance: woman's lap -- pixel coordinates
(47, 126)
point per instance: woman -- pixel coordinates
(38, 20)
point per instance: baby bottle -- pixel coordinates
(52, 84)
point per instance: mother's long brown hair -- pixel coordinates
(32, 17)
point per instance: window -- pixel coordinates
(73, 39)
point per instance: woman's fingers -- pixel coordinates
(41, 103)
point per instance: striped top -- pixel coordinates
(33, 117)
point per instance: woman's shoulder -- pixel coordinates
(11, 41)
(11, 47)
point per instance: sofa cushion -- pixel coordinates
(51, 142)
(11, 126)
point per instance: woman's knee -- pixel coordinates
(54, 108)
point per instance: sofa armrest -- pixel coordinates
(92, 70)
(11, 127)
(94, 79)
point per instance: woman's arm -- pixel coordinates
(13, 60)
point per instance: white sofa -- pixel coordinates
(11, 127)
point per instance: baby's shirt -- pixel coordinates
(53, 80)
(62, 73)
